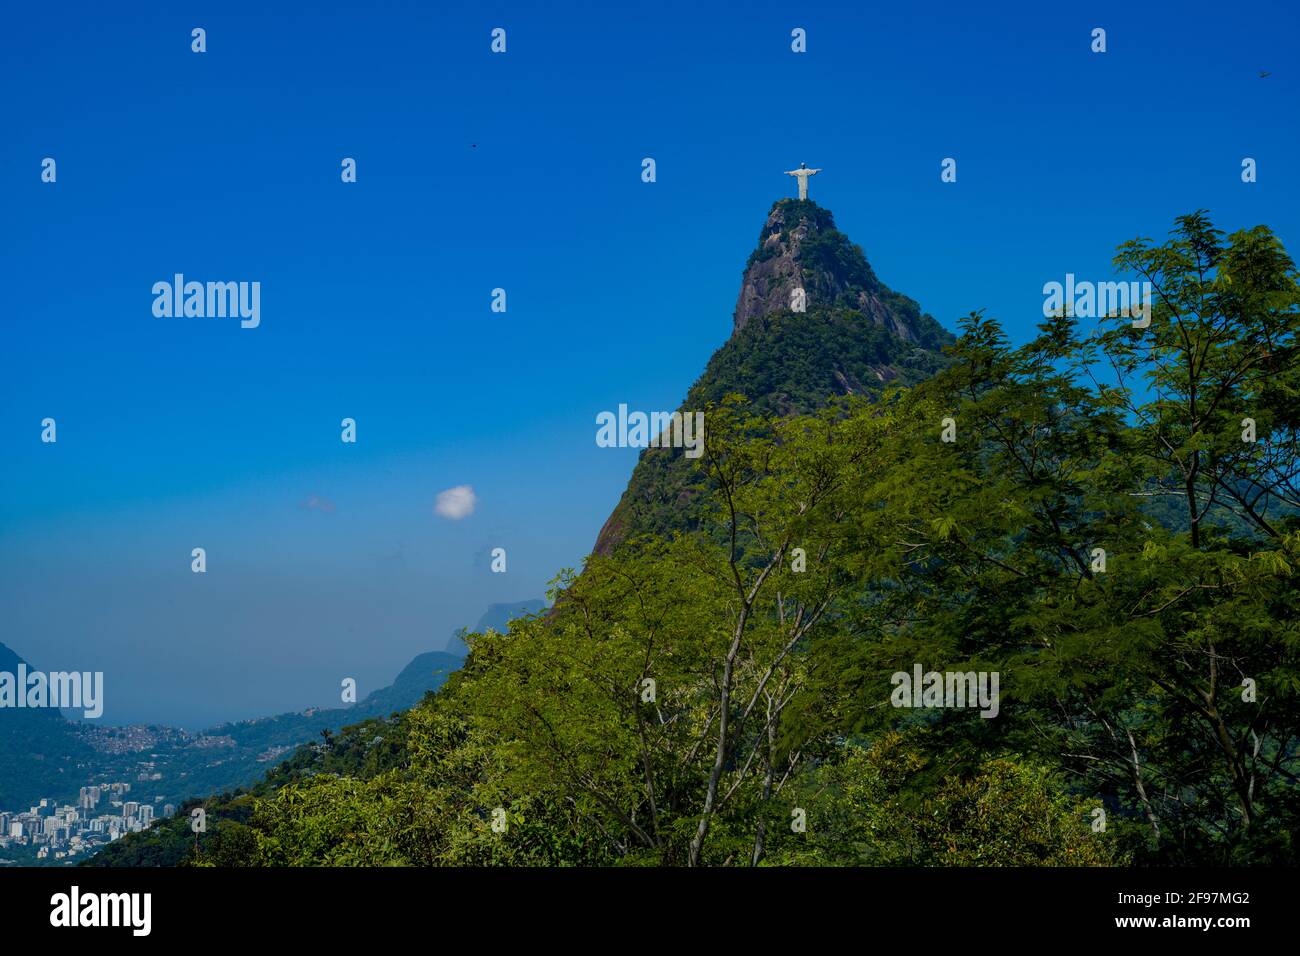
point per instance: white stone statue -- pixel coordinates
(802, 173)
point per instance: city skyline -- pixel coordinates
(61, 832)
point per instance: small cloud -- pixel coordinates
(456, 503)
(317, 503)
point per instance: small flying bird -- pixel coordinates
(1264, 73)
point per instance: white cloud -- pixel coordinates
(317, 503)
(456, 503)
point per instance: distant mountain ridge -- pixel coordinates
(168, 841)
(43, 754)
(495, 618)
(40, 749)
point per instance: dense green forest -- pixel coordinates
(1107, 522)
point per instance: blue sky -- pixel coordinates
(520, 171)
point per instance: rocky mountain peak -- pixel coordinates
(855, 336)
(800, 248)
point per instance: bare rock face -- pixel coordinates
(800, 248)
(774, 273)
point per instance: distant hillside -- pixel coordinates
(43, 754)
(495, 618)
(41, 751)
(339, 740)
(368, 747)
(265, 741)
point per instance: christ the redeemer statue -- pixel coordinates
(803, 172)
